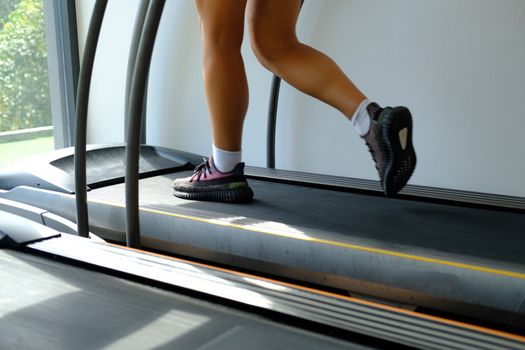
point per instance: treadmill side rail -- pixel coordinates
(336, 311)
(16, 231)
(105, 166)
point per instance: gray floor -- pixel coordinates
(50, 305)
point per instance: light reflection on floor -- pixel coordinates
(168, 327)
(270, 227)
(11, 299)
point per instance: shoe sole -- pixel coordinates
(397, 131)
(237, 195)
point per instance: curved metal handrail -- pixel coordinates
(84, 84)
(136, 105)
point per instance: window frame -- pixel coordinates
(63, 67)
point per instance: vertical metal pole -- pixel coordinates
(138, 88)
(272, 122)
(132, 58)
(84, 84)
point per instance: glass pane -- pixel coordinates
(25, 108)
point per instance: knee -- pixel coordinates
(219, 47)
(217, 40)
(271, 46)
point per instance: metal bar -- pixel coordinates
(84, 83)
(138, 89)
(272, 122)
(144, 113)
(132, 58)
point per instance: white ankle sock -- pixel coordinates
(361, 119)
(225, 161)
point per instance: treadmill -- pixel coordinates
(66, 291)
(437, 252)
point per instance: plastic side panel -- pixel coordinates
(59, 223)
(22, 231)
(105, 165)
(27, 211)
(39, 175)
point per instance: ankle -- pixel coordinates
(225, 161)
(361, 119)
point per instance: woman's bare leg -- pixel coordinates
(272, 29)
(387, 131)
(222, 24)
(221, 178)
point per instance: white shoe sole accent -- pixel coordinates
(403, 138)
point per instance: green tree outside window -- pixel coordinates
(24, 89)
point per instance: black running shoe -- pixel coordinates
(209, 184)
(390, 143)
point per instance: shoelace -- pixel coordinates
(201, 170)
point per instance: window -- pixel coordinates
(25, 108)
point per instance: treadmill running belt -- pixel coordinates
(482, 235)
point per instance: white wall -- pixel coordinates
(459, 66)
(106, 100)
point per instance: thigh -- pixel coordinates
(273, 20)
(222, 21)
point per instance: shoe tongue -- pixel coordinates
(239, 167)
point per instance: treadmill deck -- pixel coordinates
(456, 259)
(485, 236)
